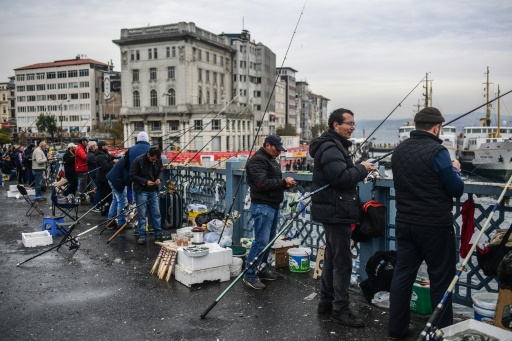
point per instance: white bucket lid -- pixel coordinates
(299, 251)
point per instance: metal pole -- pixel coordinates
(61, 131)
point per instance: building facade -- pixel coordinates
(4, 102)
(68, 89)
(287, 75)
(177, 85)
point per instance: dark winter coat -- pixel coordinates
(105, 162)
(333, 165)
(265, 179)
(140, 148)
(91, 163)
(69, 162)
(116, 176)
(143, 170)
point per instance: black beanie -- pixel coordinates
(429, 115)
(102, 143)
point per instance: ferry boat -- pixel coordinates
(448, 135)
(487, 150)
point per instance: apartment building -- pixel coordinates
(287, 75)
(70, 89)
(176, 82)
(4, 101)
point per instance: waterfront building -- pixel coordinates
(4, 101)
(175, 81)
(70, 89)
(287, 75)
(280, 99)
(313, 109)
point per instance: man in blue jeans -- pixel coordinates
(39, 161)
(267, 192)
(119, 199)
(145, 173)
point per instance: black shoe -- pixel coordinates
(348, 319)
(408, 334)
(268, 275)
(324, 308)
(161, 238)
(112, 225)
(254, 283)
(141, 241)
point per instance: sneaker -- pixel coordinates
(41, 200)
(324, 308)
(254, 283)
(141, 241)
(348, 319)
(112, 225)
(161, 238)
(97, 210)
(268, 276)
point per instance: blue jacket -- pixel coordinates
(116, 176)
(130, 155)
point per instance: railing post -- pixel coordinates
(238, 205)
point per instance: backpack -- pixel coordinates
(379, 268)
(205, 218)
(372, 222)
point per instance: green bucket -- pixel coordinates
(299, 259)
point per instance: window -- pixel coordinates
(62, 96)
(31, 88)
(41, 87)
(74, 96)
(199, 55)
(198, 124)
(222, 79)
(132, 55)
(138, 126)
(73, 85)
(171, 97)
(84, 73)
(173, 51)
(41, 97)
(135, 75)
(40, 75)
(221, 61)
(200, 97)
(153, 98)
(170, 72)
(152, 73)
(30, 76)
(20, 78)
(84, 84)
(215, 124)
(136, 99)
(199, 74)
(207, 56)
(52, 86)
(207, 97)
(150, 54)
(31, 98)
(84, 95)
(214, 58)
(62, 85)
(137, 55)
(168, 52)
(20, 99)
(52, 97)
(72, 73)
(174, 125)
(207, 76)
(50, 75)
(155, 126)
(215, 97)
(61, 74)
(214, 77)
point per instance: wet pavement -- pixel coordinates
(105, 292)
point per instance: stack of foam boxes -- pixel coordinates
(14, 193)
(212, 267)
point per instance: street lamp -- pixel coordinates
(61, 119)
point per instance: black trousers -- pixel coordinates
(435, 245)
(337, 267)
(72, 183)
(105, 191)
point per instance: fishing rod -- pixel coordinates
(200, 131)
(254, 261)
(455, 119)
(381, 123)
(214, 136)
(429, 329)
(75, 244)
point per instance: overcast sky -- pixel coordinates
(365, 55)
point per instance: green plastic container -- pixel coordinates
(299, 259)
(420, 299)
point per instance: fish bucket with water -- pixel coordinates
(299, 259)
(484, 304)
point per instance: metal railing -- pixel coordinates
(216, 189)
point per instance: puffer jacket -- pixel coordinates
(105, 162)
(143, 170)
(81, 159)
(338, 203)
(141, 147)
(265, 179)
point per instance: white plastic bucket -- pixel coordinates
(298, 259)
(235, 268)
(484, 305)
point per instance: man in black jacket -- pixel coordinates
(145, 173)
(105, 161)
(69, 170)
(267, 192)
(336, 207)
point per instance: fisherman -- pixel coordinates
(426, 180)
(92, 166)
(39, 161)
(336, 208)
(145, 173)
(84, 179)
(105, 161)
(69, 170)
(267, 185)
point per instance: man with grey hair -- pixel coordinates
(39, 161)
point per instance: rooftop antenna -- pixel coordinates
(243, 25)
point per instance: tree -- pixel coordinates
(287, 130)
(5, 136)
(47, 123)
(318, 129)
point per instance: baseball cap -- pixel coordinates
(276, 141)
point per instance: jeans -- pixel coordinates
(118, 204)
(337, 268)
(38, 178)
(266, 219)
(145, 200)
(435, 245)
(97, 196)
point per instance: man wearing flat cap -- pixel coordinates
(267, 186)
(426, 180)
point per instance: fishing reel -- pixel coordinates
(435, 335)
(372, 176)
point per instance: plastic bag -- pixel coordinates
(225, 241)
(211, 237)
(216, 225)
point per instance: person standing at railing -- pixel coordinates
(267, 185)
(92, 166)
(426, 180)
(39, 161)
(69, 171)
(336, 207)
(84, 179)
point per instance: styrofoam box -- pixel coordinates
(189, 277)
(498, 333)
(285, 243)
(13, 194)
(217, 256)
(40, 238)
